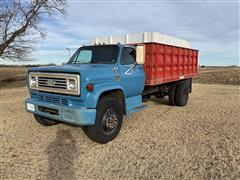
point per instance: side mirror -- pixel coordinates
(140, 54)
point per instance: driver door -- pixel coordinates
(131, 73)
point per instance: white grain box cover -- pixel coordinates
(146, 37)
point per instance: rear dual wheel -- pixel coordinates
(182, 93)
(179, 93)
(171, 94)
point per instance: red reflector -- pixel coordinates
(90, 87)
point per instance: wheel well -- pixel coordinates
(115, 93)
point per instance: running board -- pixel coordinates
(136, 109)
(134, 104)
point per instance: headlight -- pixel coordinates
(33, 81)
(71, 84)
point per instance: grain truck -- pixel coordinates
(103, 82)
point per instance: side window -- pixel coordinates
(128, 56)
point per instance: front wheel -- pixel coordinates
(109, 119)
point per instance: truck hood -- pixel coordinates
(77, 68)
(88, 72)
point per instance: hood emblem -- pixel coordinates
(50, 82)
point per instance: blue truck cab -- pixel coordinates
(95, 89)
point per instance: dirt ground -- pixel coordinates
(199, 141)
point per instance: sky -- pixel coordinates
(212, 27)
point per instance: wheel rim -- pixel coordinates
(110, 121)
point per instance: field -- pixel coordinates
(16, 76)
(12, 76)
(199, 141)
(218, 75)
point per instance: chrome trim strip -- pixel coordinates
(76, 77)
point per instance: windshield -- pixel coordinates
(103, 54)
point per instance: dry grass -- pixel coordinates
(225, 75)
(12, 77)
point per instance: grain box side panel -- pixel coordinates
(165, 63)
(160, 61)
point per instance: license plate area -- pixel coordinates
(48, 110)
(30, 107)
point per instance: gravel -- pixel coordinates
(199, 141)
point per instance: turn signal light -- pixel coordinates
(90, 87)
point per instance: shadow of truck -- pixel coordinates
(61, 156)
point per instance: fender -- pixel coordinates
(92, 97)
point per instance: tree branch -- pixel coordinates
(20, 18)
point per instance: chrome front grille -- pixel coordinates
(60, 83)
(55, 82)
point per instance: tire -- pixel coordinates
(182, 93)
(109, 119)
(45, 121)
(171, 94)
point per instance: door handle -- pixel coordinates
(128, 72)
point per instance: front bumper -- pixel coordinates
(69, 114)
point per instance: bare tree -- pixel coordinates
(20, 25)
